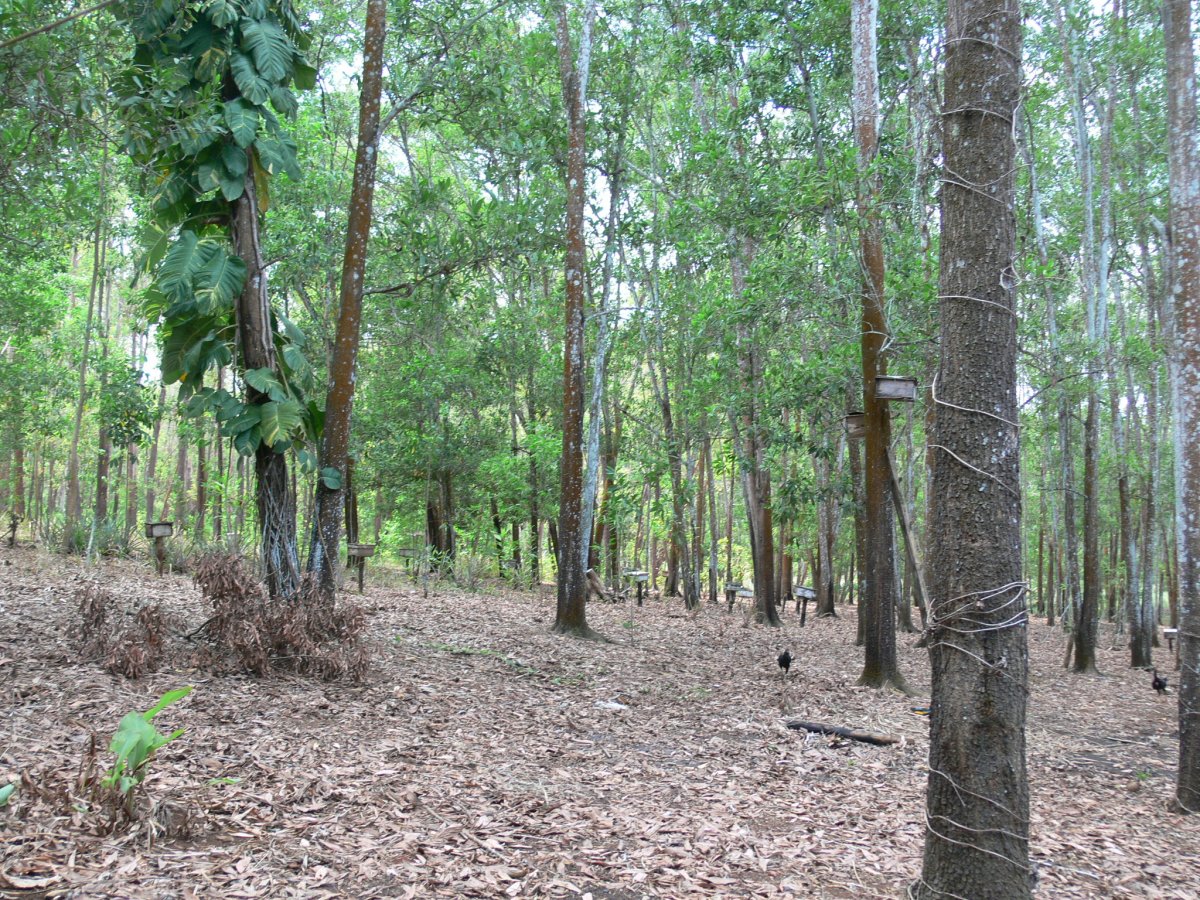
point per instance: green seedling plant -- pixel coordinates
(6, 793)
(135, 743)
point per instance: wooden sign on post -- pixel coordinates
(358, 554)
(896, 387)
(639, 578)
(856, 426)
(159, 532)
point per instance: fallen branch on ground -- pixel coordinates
(854, 734)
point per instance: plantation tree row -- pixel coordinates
(626, 270)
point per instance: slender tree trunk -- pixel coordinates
(881, 667)
(1185, 292)
(73, 506)
(1089, 611)
(339, 401)
(570, 614)
(977, 803)
(714, 568)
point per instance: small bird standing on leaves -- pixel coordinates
(1159, 683)
(785, 661)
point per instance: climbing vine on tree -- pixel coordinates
(202, 99)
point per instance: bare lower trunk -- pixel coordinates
(1185, 293)
(977, 801)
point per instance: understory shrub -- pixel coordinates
(311, 634)
(123, 641)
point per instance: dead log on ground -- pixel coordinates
(854, 734)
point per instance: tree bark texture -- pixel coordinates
(1185, 294)
(880, 667)
(977, 801)
(571, 615)
(275, 501)
(339, 401)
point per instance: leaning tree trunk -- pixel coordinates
(1185, 291)
(275, 501)
(339, 401)
(977, 801)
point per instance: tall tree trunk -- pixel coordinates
(1185, 291)
(275, 501)
(977, 802)
(73, 509)
(881, 667)
(1089, 611)
(570, 614)
(152, 459)
(339, 401)
(714, 568)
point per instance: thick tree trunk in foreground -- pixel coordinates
(1185, 292)
(977, 802)
(339, 402)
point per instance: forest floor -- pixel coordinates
(485, 757)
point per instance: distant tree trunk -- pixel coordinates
(570, 615)
(218, 500)
(200, 509)
(152, 459)
(977, 802)
(714, 568)
(73, 509)
(131, 488)
(18, 470)
(881, 667)
(1185, 290)
(1089, 611)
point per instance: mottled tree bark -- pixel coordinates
(1185, 293)
(570, 615)
(339, 401)
(977, 801)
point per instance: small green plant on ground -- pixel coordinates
(135, 743)
(6, 793)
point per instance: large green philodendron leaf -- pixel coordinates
(219, 281)
(180, 265)
(270, 48)
(263, 380)
(253, 87)
(242, 120)
(279, 420)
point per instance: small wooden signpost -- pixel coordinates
(732, 589)
(803, 595)
(639, 578)
(358, 554)
(160, 531)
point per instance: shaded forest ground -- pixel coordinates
(485, 757)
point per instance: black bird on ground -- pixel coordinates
(1159, 683)
(785, 661)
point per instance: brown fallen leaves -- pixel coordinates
(485, 757)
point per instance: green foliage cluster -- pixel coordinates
(200, 98)
(135, 743)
